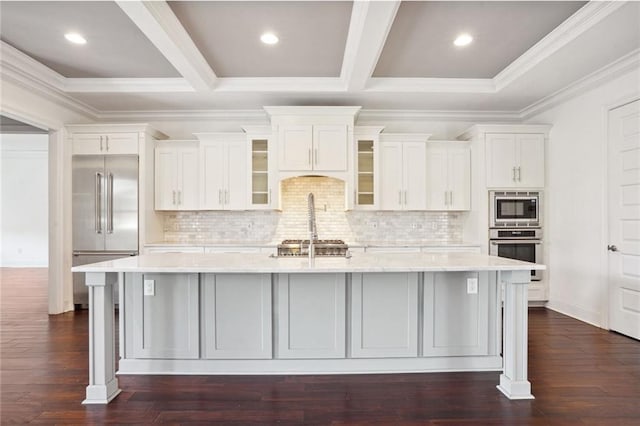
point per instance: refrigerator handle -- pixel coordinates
(109, 203)
(98, 194)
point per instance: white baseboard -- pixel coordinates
(576, 312)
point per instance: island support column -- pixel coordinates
(513, 380)
(103, 385)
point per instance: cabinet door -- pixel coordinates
(295, 147)
(459, 178)
(212, 163)
(531, 165)
(188, 193)
(384, 315)
(236, 176)
(311, 316)
(501, 160)
(414, 195)
(437, 170)
(166, 179)
(104, 144)
(121, 143)
(390, 176)
(165, 324)
(330, 147)
(455, 323)
(236, 317)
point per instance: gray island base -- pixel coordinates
(254, 314)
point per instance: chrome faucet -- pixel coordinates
(313, 231)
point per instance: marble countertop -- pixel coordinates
(263, 263)
(275, 243)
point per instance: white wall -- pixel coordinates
(575, 227)
(24, 200)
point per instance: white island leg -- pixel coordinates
(103, 385)
(513, 380)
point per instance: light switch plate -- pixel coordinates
(149, 288)
(472, 286)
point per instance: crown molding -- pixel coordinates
(20, 69)
(157, 21)
(431, 85)
(368, 30)
(126, 85)
(607, 73)
(384, 115)
(578, 23)
(257, 116)
(280, 84)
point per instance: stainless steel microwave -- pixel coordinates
(515, 209)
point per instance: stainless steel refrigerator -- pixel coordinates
(105, 213)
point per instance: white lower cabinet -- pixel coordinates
(311, 315)
(162, 322)
(456, 323)
(236, 316)
(384, 315)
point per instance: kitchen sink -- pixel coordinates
(322, 248)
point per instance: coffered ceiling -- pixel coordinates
(193, 57)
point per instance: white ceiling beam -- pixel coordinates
(280, 84)
(577, 24)
(431, 85)
(126, 85)
(161, 26)
(368, 30)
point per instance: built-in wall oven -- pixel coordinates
(515, 226)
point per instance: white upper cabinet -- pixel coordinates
(223, 171)
(367, 182)
(448, 176)
(313, 147)
(105, 143)
(515, 160)
(176, 177)
(403, 172)
(260, 169)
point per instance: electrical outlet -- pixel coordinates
(472, 286)
(149, 288)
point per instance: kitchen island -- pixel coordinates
(242, 313)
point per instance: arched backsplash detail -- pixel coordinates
(329, 196)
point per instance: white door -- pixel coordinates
(501, 160)
(166, 179)
(624, 219)
(437, 183)
(414, 155)
(212, 175)
(236, 176)
(188, 178)
(295, 147)
(530, 172)
(459, 178)
(330, 147)
(390, 176)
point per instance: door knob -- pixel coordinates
(612, 248)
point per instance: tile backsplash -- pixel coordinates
(332, 220)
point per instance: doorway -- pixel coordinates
(624, 219)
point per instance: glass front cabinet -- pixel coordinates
(366, 158)
(260, 181)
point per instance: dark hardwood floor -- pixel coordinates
(581, 375)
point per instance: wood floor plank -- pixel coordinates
(580, 375)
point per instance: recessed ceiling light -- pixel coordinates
(75, 38)
(269, 38)
(463, 40)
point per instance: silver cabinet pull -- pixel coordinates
(519, 176)
(179, 196)
(219, 196)
(109, 203)
(315, 154)
(226, 196)
(98, 210)
(400, 197)
(174, 197)
(101, 144)
(612, 248)
(107, 144)
(513, 173)
(405, 197)
(269, 197)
